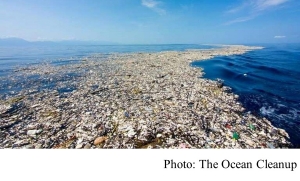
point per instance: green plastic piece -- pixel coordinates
(235, 136)
(252, 127)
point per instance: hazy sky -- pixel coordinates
(152, 21)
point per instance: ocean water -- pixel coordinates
(267, 82)
(15, 57)
(12, 56)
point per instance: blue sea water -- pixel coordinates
(267, 80)
(14, 57)
(11, 56)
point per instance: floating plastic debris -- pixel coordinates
(228, 126)
(270, 145)
(169, 106)
(235, 136)
(243, 122)
(252, 127)
(126, 114)
(220, 83)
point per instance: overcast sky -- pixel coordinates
(152, 21)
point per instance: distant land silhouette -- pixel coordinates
(22, 42)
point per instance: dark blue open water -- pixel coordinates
(267, 81)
